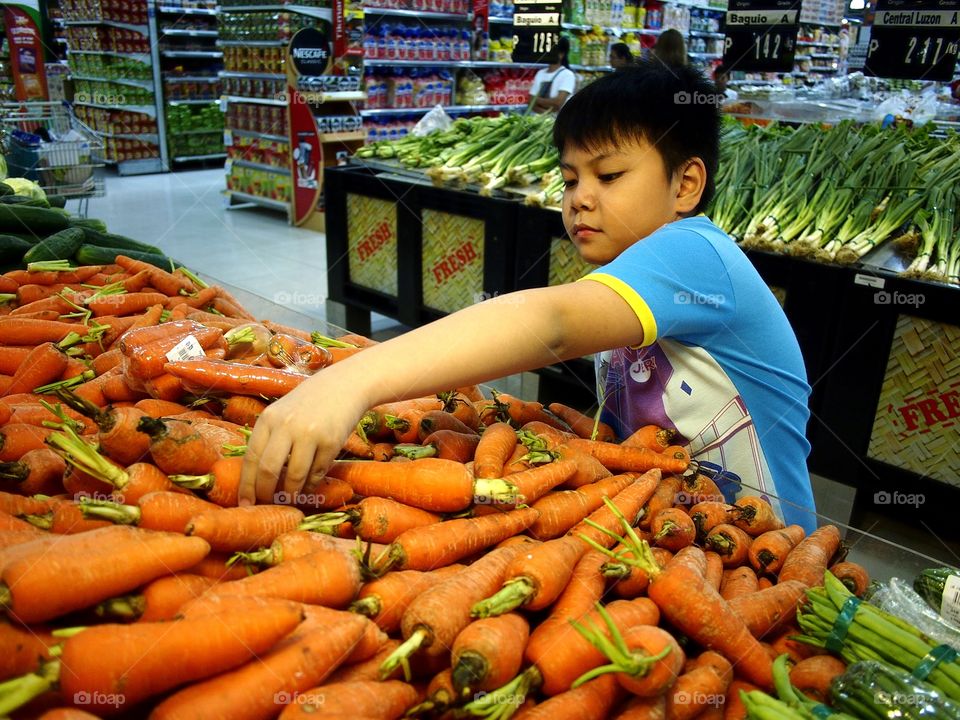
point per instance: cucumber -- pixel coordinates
(26, 220)
(111, 240)
(97, 255)
(23, 200)
(59, 246)
(57, 201)
(5, 189)
(873, 690)
(931, 583)
(12, 248)
(92, 223)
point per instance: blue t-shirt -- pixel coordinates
(719, 362)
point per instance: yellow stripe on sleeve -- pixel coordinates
(637, 303)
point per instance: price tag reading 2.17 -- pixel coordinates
(536, 29)
(914, 39)
(760, 39)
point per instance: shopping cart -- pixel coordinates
(44, 142)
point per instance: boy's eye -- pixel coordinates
(609, 177)
(569, 183)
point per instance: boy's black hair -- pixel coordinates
(622, 50)
(674, 109)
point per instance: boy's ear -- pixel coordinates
(692, 182)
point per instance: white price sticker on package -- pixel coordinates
(950, 602)
(187, 349)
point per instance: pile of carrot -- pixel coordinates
(465, 557)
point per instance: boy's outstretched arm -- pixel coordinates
(510, 334)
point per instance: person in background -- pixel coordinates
(670, 48)
(620, 56)
(555, 83)
(721, 76)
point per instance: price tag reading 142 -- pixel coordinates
(760, 36)
(914, 39)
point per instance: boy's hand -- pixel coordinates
(304, 430)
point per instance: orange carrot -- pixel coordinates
(730, 543)
(234, 378)
(855, 577)
(17, 439)
(246, 528)
(385, 599)
(164, 387)
(112, 569)
(438, 544)
(738, 581)
(707, 515)
(160, 408)
(589, 469)
(507, 408)
(641, 708)
(697, 692)
(11, 358)
(673, 529)
(813, 676)
(583, 425)
(177, 447)
(651, 437)
(560, 511)
(453, 445)
(243, 409)
(594, 699)
(156, 510)
(220, 485)
(808, 561)
(768, 551)
(765, 611)
(50, 277)
(735, 709)
(44, 364)
(528, 486)
(374, 519)
(632, 581)
(714, 571)
(24, 649)
(38, 471)
(256, 690)
(215, 565)
(756, 516)
(487, 653)
(356, 446)
(430, 483)
(698, 489)
(618, 457)
(367, 669)
(370, 700)
(628, 502)
(159, 600)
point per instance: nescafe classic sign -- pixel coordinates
(310, 52)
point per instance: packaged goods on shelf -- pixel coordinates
(96, 38)
(304, 3)
(110, 67)
(116, 122)
(338, 123)
(389, 128)
(126, 11)
(268, 119)
(124, 149)
(409, 88)
(262, 183)
(405, 41)
(195, 144)
(455, 7)
(263, 25)
(253, 59)
(254, 87)
(501, 50)
(174, 89)
(108, 93)
(194, 118)
(501, 9)
(262, 151)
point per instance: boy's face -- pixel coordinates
(615, 196)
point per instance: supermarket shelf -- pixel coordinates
(200, 132)
(820, 56)
(174, 32)
(144, 109)
(351, 136)
(317, 12)
(257, 135)
(448, 109)
(168, 10)
(823, 70)
(139, 57)
(191, 78)
(257, 200)
(252, 43)
(643, 31)
(148, 138)
(479, 64)
(145, 84)
(142, 29)
(417, 14)
(254, 101)
(700, 5)
(705, 56)
(252, 75)
(261, 166)
(197, 101)
(197, 158)
(812, 43)
(325, 97)
(144, 166)
(592, 68)
(501, 21)
(820, 24)
(704, 34)
(212, 54)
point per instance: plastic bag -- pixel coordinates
(433, 121)
(898, 598)
(917, 109)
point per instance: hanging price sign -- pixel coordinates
(536, 29)
(761, 35)
(914, 39)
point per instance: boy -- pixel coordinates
(703, 345)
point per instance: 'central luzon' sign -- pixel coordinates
(761, 35)
(536, 29)
(914, 40)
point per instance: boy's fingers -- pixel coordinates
(248, 472)
(298, 467)
(271, 463)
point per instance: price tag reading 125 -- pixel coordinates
(536, 27)
(760, 39)
(914, 39)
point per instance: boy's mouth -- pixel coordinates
(584, 231)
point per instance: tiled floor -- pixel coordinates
(270, 263)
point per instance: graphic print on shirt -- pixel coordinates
(667, 380)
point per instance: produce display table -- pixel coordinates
(880, 349)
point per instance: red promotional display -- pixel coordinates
(22, 21)
(306, 158)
